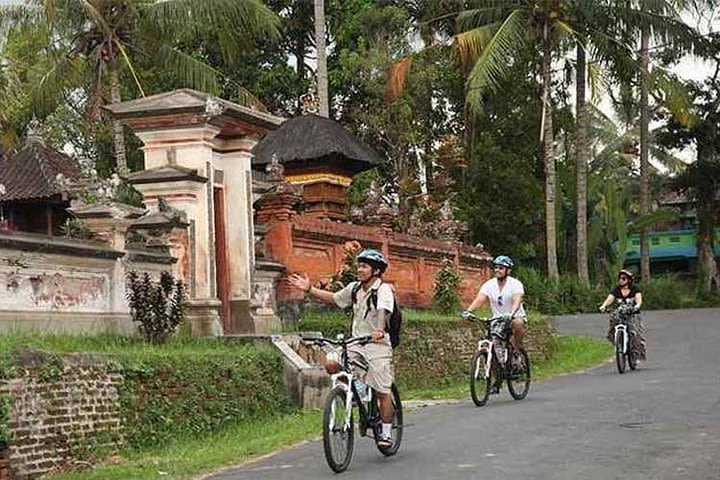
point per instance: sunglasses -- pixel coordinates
(499, 300)
(622, 277)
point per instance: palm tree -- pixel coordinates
(322, 73)
(112, 34)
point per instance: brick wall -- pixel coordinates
(61, 407)
(313, 246)
(435, 353)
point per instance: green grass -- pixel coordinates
(115, 344)
(573, 354)
(188, 457)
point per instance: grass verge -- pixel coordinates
(188, 457)
(573, 353)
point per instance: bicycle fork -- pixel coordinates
(486, 346)
(621, 330)
(342, 380)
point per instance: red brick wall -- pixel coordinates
(315, 247)
(54, 420)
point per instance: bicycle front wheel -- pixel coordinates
(518, 381)
(338, 438)
(479, 383)
(397, 425)
(619, 354)
(631, 356)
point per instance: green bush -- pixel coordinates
(192, 395)
(4, 419)
(569, 295)
(157, 307)
(447, 285)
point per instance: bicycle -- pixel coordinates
(490, 363)
(338, 424)
(624, 338)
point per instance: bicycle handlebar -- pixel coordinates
(362, 340)
(486, 320)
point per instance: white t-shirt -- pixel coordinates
(364, 321)
(501, 301)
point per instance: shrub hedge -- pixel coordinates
(568, 295)
(435, 349)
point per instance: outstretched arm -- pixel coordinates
(302, 282)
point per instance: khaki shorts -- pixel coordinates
(374, 365)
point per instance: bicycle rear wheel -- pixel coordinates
(338, 438)
(397, 425)
(519, 381)
(619, 355)
(479, 384)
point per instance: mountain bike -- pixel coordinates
(492, 363)
(624, 338)
(343, 399)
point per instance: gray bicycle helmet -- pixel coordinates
(503, 261)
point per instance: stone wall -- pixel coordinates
(313, 246)
(438, 352)
(62, 408)
(54, 283)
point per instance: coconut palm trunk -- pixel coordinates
(549, 162)
(581, 160)
(118, 130)
(322, 75)
(644, 152)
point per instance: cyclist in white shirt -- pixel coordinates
(505, 296)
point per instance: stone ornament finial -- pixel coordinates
(34, 131)
(275, 169)
(213, 108)
(309, 103)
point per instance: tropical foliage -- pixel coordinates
(547, 104)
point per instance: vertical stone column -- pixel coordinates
(234, 158)
(179, 167)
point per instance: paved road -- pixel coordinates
(660, 422)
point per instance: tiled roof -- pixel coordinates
(30, 172)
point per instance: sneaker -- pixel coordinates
(494, 390)
(385, 442)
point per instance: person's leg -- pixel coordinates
(639, 331)
(380, 378)
(518, 327)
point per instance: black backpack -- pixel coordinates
(394, 324)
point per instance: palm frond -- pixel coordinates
(396, 76)
(469, 45)
(189, 71)
(242, 17)
(493, 12)
(130, 66)
(674, 95)
(494, 64)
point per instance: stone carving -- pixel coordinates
(375, 210)
(213, 108)
(274, 170)
(59, 291)
(309, 103)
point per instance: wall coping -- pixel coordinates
(34, 242)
